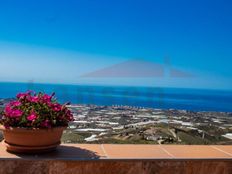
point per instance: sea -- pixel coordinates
(147, 97)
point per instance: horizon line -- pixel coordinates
(111, 85)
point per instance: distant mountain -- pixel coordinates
(137, 69)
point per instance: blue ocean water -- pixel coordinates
(164, 98)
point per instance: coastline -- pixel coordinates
(139, 125)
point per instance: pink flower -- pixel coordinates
(46, 124)
(30, 106)
(21, 95)
(13, 113)
(8, 109)
(32, 116)
(69, 115)
(15, 103)
(47, 98)
(16, 113)
(34, 99)
(56, 107)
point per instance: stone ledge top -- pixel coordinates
(127, 151)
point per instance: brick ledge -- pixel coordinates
(127, 152)
(121, 159)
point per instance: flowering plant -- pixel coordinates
(33, 110)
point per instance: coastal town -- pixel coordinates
(138, 125)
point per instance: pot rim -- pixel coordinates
(2, 127)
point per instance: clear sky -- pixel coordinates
(57, 41)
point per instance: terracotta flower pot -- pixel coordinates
(23, 140)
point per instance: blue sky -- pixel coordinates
(58, 41)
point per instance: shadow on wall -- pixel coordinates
(64, 152)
